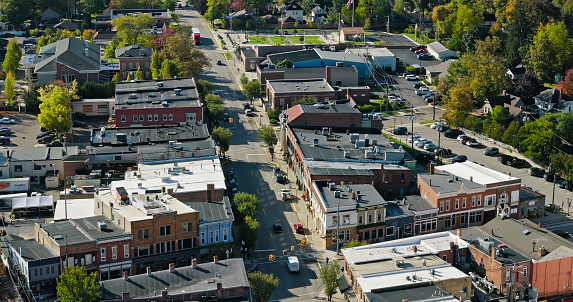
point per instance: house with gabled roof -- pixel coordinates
(317, 13)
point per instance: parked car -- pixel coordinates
(442, 128)
(473, 143)
(465, 139)
(45, 133)
(231, 175)
(7, 120)
(503, 158)
(566, 184)
(430, 147)
(45, 139)
(412, 77)
(277, 228)
(519, 163)
(434, 125)
(550, 177)
(419, 51)
(285, 194)
(461, 137)
(444, 152)
(5, 131)
(76, 123)
(298, 228)
(459, 159)
(246, 106)
(452, 133)
(79, 115)
(414, 48)
(491, 151)
(279, 177)
(536, 171)
(414, 138)
(425, 56)
(421, 142)
(226, 116)
(419, 85)
(55, 144)
(424, 90)
(219, 62)
(400, 130)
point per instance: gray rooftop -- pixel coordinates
(77, 231)
(180, 92)
(294, 56)
(305, 85)
(339, 106)
(149, 135)
(408, 205)
(183, 279)
(421, 293)
(368, 195)
(519, 243)
(212, 211)
(444, 183)
(45, 153)
(31, 249)
(132, 51)
(76, 54)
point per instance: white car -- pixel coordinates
(430, 147)
(424, 91)
(461, 137)
(412, 77)
(415, 138)
(7, 120)
(473, 143)
(421, 144)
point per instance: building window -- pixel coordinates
(441, 206)
(37, 167)
(150, 117)
(165, 230)
(445, 258)
(503, 198)
(143, 250)
(18, 168)
(126, 251)
(170, 116)
(360, 219)
(202, 238)
(479, 200)
(380, 233)
(369, 217)
(216, 235)
(123, 119)
(156, 117)
(102, 251)
(366, 235)
(164, 117)
(135, 118)
(35, 272)
(447, 205)
(507, 276)
(334, 220)
(103, 106)
(390, 231)
(130, 65)
(379, 216)
(464, 201)
(225, 235)
(146, 64)
(187, 227)
(345, 219)
(457, 203)
(113, 252)
(52, 270)
(211, 237)
(143, 234)
(141, 119)
(124, 74)
(524, 271)
(490, 200)
(473, 201)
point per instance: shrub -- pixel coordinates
(273, 121)
(276, 31)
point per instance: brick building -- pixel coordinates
(342, 76)
(133, 57)
(517, 257)
(164, 229)
(157, 103)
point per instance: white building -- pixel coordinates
(381, 57)
(440, 52)
(292, 9)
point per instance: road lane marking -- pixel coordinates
(268, 250)
(271, 234)
(252, 174)
(264, 212)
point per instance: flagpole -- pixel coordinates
(352, 13)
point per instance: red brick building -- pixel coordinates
(156, 103)
(134, 57)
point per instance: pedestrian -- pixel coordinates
(327, 260)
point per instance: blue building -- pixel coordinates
(316, 58)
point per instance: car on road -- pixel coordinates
(444, 152)
(551, 177)
(279, 177)
(452, 133)
(231, 174)
(459, 159)
(76, 123)
(298, 228)
(425, 56)
(519, 163)
(504, 158)
(226, 116)
(246, 106)
(536, 171)
(400, 130)
(248, 112)
(285, 194)
(292, 264)
(491, 151)
(424, 90)
(419, 85)
(412, 77)
(419, 51)
(79, 115)
(7, 120)
(430, 147)
(473, 143)
(219, 62)
(215, 93)
(277, 228)
(566, 184)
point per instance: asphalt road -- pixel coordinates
(248, 158)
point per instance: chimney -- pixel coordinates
(219, 290)
(533, 243)
(415, 249)
(125, 275)
(170, 192)
(216, 259)
(172, 267)
(149, 271)
(459, 232)
(125, 296)
(541, 251)
(424, 263)
(471, 178)
(431, 168)
(194, 263)
(430, 182)
(493, 254)
(508, 173)
(451, 246)
(164, 295)
(87, 52)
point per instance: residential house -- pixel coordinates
(270, 19)
(516, 73)
(98, 243)
(489, 19)
(512, 103)
(317, 14)
(519, 256)
(388, 269)
(242, 15)
(352, 34)
(37, 163)
(132, 58)
(438, 71)
(164, 229)
(286, 20)
(292, 10)
(66, 60)
(157, 102)
(49, 14)
(217, 280)
(548, 100)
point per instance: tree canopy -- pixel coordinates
(223, 137)
(329, 276)
(76, 285)
(133, 30)
(12, 58)
(267, 134)
(55, 110)
(262, 285)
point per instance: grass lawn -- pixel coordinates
(310, 40)
(279, 40)
(258, 40)
(426, 122)
(423, 40)
(228, 56)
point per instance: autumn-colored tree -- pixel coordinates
(567, 84)
(550, 53)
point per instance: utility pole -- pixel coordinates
(339, 27)
(412, 118)
(338, 229)
(553, 179)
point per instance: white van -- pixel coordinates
(292, 264)
(248, 112)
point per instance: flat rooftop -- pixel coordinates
(299, 86)
(212, 211)
(31, 249)
(180, 92)
(78, 231)
(408, 205)
(43, 153)
(478, 173)
(181, 176)
(374, 51)
(143, 206)
(426, 244)
(332, 147)
(421, 293)
(341, 168)
(149, 135)
(340, 106)
(334, 195)
(389, 265)
(76, 209)
(445, 183)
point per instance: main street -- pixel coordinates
(248, 158)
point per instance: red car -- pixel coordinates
(299, 228)
(422, 50)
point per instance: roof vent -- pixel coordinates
(101, 225)
(315, 142)
(526, 232)
(159, 84)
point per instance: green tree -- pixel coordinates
(76, 285)
(511, 134)
(263, 285)
(285, 63)
(550, 41)
(55, 110)
(253, 90)
(500, 115)
(9, 91)
(307, 99)
(246, 205)
(217, 9)
(15, 12)
(520, 32)
(211, 100)
(563, 123)
(12, 58)
(134, 30)
(267, 134)
(180, 49)
(138, 74)
(329, 275)
(537, 139)
(205, 87)
(248, 230)
(353, 243)
(155, 66)
(92, 6)
(93, 90)
(467, 18)
(458, 105)
(243, 80)
(222, 136)
(216, 112)
(474, 123)
(169, 69)
(31, 99)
